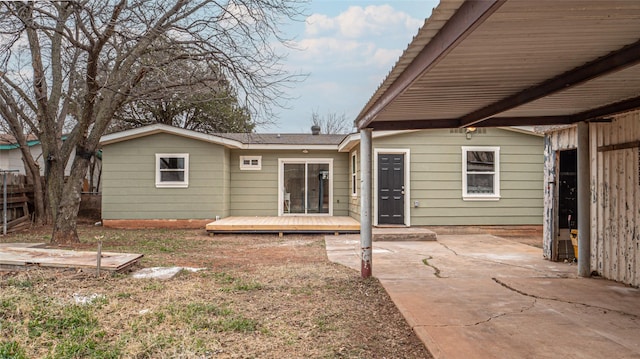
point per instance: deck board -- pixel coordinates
(22, 257)
(285, 224)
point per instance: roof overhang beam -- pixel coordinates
(613, 62)
(608, 110)
(590, 115)
(468, 17)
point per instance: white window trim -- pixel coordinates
(495, 196)
(172, 184)
(281, 162)
(244, 167)
(354, 174)
(407, 182)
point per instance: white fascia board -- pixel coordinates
(353, 139)
(527, 130)
(160, 128)
(349, 142)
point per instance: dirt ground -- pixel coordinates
(259, 296)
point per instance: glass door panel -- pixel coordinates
(318, 188)
(306, 188)
(294, 191)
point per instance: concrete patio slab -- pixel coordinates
(482, 296)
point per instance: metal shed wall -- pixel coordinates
(615, 205)
(615, 195)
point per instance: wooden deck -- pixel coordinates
(19, 257)
(285, 224)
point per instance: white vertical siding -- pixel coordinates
(615, 196)
(556, 141)
(615, 212)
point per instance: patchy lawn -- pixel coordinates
(260, 296)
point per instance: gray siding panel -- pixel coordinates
(129, 190)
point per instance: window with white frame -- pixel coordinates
(480, 173)
(354, 174)
(248, 163)
(172, 170)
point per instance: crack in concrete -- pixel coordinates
(445, 246)
(496, 316)
(435, 269)
(492, 261)
(563, 301)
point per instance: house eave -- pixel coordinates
(160, 128)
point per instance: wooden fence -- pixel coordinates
(19, 202)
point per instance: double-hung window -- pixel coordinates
(480, 173)
(172, 170)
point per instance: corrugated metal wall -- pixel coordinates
(615, 195)
(615, 208)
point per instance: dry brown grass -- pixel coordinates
(261, 296)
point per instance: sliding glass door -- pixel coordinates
(305, 186)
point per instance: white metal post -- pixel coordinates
(584, 203)
(365, 202)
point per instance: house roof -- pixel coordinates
(513, 63)
(235, 140)
(284, 139)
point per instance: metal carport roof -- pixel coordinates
(513, 63)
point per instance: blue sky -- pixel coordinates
(347, 48)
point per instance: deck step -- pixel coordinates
(403, 234)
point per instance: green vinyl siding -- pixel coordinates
(129, 190)
(436, 177)
(255, 193)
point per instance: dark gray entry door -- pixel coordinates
(390, 188)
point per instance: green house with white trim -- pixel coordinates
(165, 176)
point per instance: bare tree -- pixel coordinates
(208, 107)
(331, 123)
(69, 66)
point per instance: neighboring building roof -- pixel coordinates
(554, 128)
(8, 141)
(235, 140)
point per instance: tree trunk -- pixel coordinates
(64, 230)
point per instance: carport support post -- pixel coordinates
(584, 203)
(365, 201)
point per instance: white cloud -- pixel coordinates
(318, 23)
(347, 55)
(357, 21)
(385, 57)
(359, 36)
